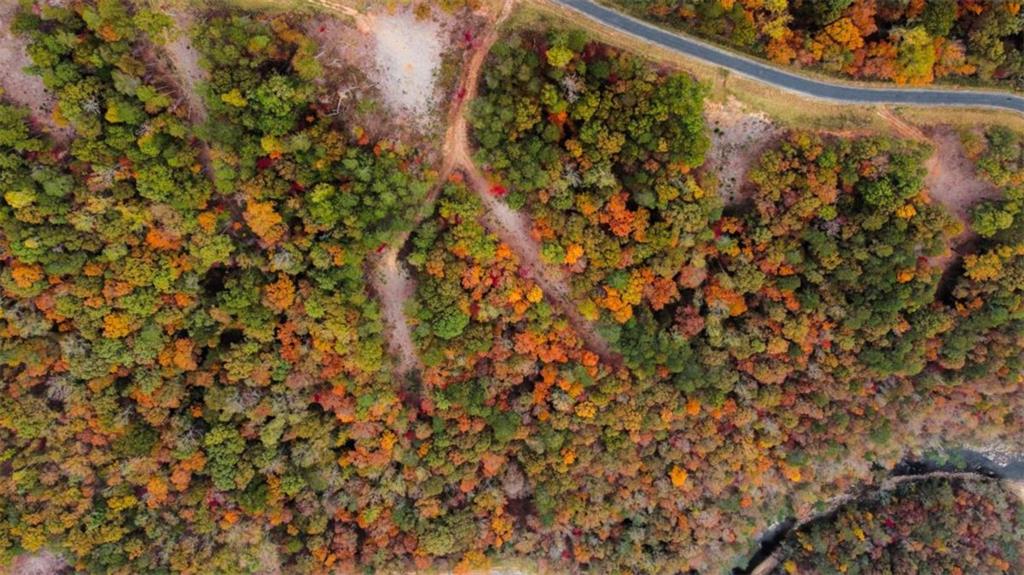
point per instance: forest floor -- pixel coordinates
(21, 87)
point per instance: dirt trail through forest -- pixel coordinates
(392, 283)
(188, 75)
(393, 287)
(512, 227)
(23, 88)
(185, 60)
(390, 278)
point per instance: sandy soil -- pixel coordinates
(397, 54)
(738, 138)
(407, 52)
(20, 87)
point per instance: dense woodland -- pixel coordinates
(773, 351)
(934, 525)
(195, 376)
(903, 41)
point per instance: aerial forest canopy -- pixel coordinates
(195, 372)
(937, 525)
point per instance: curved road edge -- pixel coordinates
(772, 75)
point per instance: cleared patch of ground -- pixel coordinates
(952, 180)
(41, 563)
(346, 88)
(738, 137)
(952, 177)
(407, 52)
(383, 66)
(21, 87)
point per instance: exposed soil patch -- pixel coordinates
(952, 177)
(19, 86)
(345, 47)
(384, 66)
(41, 563)
(738, 138)
(953, 181)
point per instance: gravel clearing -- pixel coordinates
(407, 53)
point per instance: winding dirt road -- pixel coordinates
(512, 227)
(390, 279)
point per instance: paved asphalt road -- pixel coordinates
(777, 77)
